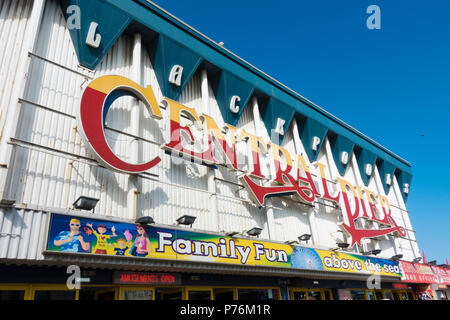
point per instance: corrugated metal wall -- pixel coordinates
(50, 166)
(13, 23)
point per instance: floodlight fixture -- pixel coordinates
(85, 203)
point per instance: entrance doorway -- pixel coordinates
(223, 294)
(169, 294)
(97, 293)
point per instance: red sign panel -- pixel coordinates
(422, 273)
(442, 274)
(127, 277)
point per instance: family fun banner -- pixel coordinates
(99, 237)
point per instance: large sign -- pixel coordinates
(214, 145)
(84, 235)
(423, 273)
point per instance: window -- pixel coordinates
(9, 295)
(300, 295)
(370, 295)
(314, 295)
(199, 295)
(54, 295)
(379, 295)
(358, 294)
(388, 295)
(258, 294)
(137, 295)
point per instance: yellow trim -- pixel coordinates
(30, 289)
(106, 84)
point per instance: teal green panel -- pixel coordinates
(385, 168)
(167, 53)
(225, 86)
(311, 129)
(365, 157)
(402, 179)
(109, 29)
(271, 112)
(339, 145)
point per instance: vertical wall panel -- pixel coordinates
(13, 23)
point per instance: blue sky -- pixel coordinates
(391, 84)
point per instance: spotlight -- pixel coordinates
(186, 220)
(231, 233)
(7, 203)
(397, 257)
(342, 245)
(145, 220)
(416, 260)
(376, 251)
(85, 203)
(254, 231)
(372, 252)
(304, 237)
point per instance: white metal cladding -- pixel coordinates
(22, 234)
(13, 23)
(50, 165)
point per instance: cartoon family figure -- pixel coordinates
(141, 246)
(73, 240)
(102, 238)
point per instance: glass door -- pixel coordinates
(14, 292)
(310, 294)
(52, 292)
(224, 294)
(370, 295)
(169, 294)
(108, 294)
(199, 293)
(258, 294)
(315, 295)
(299, 294)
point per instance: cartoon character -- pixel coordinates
(88, 231)
(72, 241)
(121, 247)
(128, 235)
(102, 238)
(141, 246)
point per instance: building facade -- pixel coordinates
(147, 117)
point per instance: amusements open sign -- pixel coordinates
(127, 277)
